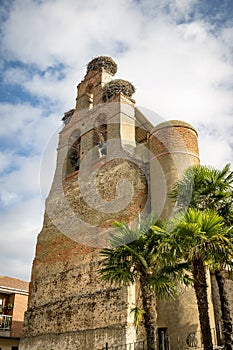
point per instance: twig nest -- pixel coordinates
(114, 87)
(103, 62)
(67, 116)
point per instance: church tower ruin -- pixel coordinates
(112, 164)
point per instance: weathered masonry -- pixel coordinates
(112, 164)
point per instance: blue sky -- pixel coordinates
(177, 53)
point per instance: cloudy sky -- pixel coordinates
(177, 53)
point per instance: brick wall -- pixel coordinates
(66, 294)
(20, 306)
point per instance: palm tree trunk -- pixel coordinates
(150, 316)
(200, 286)
(226, 315)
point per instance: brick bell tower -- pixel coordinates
(97, 180)
(112, 164)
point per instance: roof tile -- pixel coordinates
(14, 283)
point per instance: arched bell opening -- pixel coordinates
(74, 151)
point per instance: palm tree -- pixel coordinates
(205, 187)
(200, 239)
(134, 257)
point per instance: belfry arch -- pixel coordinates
(74, 152)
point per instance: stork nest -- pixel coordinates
(67, 116)
(103, 62)
(117, 86)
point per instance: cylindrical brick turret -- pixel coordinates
(173, 146)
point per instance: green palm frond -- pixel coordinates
(138, 315)
(205, 187)
(117, 266)
(125, 263)
(122, 234)
(166, 280)
(118, 274)
(211, 222)
(202, 234)
(164, 287)
(145, 225)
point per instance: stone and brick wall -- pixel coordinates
(69, 307)
(66, 294)
(174, 147)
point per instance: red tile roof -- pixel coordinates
(13, 283)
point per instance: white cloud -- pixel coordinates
(180, 77)
(4, 161)
(16, 76)
(8, 198)
(227, 43)
(180, 63)
(181, 9)
(67, 31)
(24, 180)
(24, 133)
(26, 127)
(19, 227)
(215, 150)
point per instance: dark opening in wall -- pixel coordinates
(163, 339)
(73, 156)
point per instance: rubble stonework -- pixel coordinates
(129, 171)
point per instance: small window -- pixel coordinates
(163, 339)
(13, 348)
(1, 304)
